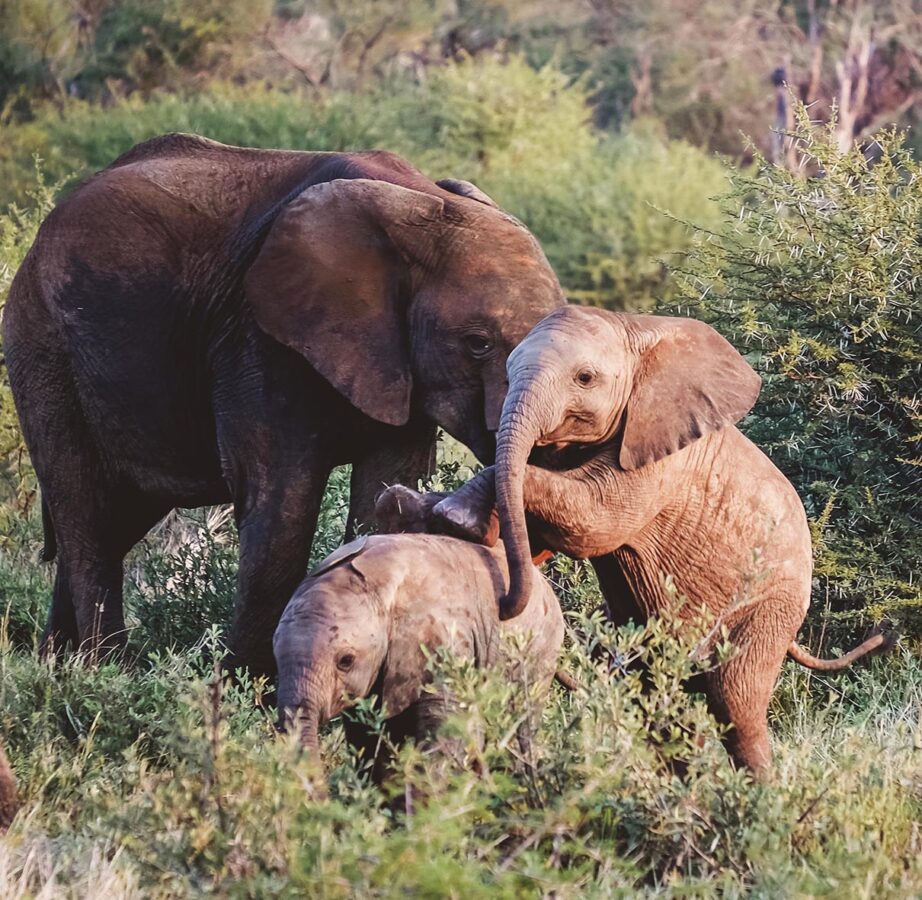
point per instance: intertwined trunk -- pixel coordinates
(519, 429)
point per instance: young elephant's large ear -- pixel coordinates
(332, 280)
(689, 382)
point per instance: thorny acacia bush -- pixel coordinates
(162, 780)
(818, 277)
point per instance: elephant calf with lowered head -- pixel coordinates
(648, 476)
(359, 623)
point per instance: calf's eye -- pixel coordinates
(584, 377)
(345, 662)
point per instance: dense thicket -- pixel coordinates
(817, 274)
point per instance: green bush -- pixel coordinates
(166, 782)
(818, 278)
(50, 49)
(608, 209)
(80, 138)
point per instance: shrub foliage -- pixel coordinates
(819, 277)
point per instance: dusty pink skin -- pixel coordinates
(359, 622)
(654, 478)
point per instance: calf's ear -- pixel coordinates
(689, 382)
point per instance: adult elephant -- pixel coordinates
(201, 323)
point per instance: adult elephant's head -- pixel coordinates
(583, 376)
(404, 298)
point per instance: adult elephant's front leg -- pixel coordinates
(402, 460)
(276, 520)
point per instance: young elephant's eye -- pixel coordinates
(585, 377)
(477, 345)
(345, 662)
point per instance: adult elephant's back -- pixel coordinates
(132, 281)
(200, 323)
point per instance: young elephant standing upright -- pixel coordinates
(656, 481)
(203, 324)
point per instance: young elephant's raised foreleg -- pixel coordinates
(470, 511)
(578, 511)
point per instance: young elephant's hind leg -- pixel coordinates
(739, 691)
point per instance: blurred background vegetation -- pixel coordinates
(660, 152)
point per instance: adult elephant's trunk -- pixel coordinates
(520, 427)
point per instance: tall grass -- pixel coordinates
(163, 780)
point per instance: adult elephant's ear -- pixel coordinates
(332, 280)
(466, 189)
(689, 382)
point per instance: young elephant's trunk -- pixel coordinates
(310, 727)
(299, 704)
(519, 429)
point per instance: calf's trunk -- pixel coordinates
(300, 704)
(520, 428)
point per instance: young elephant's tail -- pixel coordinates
(880, 642)
(49, 551)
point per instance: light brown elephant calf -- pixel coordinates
(652, 478)
(358, 624)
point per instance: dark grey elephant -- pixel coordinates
(200, 323)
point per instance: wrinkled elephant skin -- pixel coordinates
(361, 620)
(649, 478)
(203, 324)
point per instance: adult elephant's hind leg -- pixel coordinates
(94, 531)
(96, 517)
(276, 523)
(404, 460)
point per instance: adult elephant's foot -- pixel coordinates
(470, 512)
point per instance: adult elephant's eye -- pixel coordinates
(585, 377)
(477, 345)
(345, 662)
